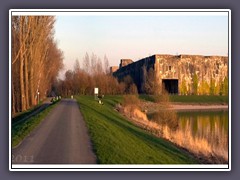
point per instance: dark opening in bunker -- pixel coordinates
(170, 85)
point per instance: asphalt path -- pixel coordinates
(61, 138)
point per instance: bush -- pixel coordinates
(131, 100)
(166, 118)
(164, 98)
(130, 104)
(133, 89)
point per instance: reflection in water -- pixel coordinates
(203, 133)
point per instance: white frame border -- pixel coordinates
(110, 12)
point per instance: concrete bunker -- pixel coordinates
(176, 72)
(170, 85)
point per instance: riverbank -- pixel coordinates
(151, 107)
(160, 119)
(116, 140)
(169, 129)
(196, 107)
(191, 99)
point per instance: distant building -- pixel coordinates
(125, 62)
(178, 74)
(113, 69)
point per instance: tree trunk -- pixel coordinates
(13, 100)
(31, 86)
(26, 82)
(22, 89)
(21, 66)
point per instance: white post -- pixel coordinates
(95, 93)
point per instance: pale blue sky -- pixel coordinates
(136, 37)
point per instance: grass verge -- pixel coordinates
(26, 113)
(195, 99)
(21, 130)
(117, 141)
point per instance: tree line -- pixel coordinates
(92, 72)
(35, 60)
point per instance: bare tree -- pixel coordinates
(106, 65)
(36, 59)
(86, 63)
(93, 63)
(151, 84)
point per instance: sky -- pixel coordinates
(135, 37)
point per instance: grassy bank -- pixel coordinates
(26, 113)
(192, 99)
(118, 141)
(22, 129)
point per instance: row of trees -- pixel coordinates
(94, 72)
(35, 58)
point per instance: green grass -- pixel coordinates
(26, 113)
(146, 97)
(22, 129)
(117, 141)
(201, 99)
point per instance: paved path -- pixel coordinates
(61, 138)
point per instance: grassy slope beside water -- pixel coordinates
(200, 99)
(118, 141)
(192, 99)
(21, 130)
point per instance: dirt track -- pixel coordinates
(181, 107)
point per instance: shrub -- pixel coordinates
(164, 98)
(166, 118)
(133, 89)
(131, 100)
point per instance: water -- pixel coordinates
(203, 133)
